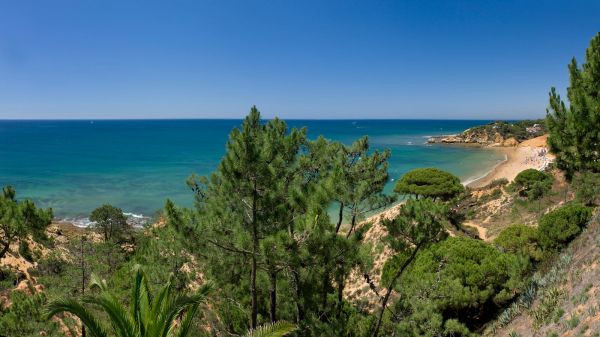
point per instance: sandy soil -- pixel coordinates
(532, 153)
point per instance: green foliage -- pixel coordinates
(418, 224)
(562, 225)
(587, 188)
(110, 221)
(19, 219)
(149, 315)
(359, 176)
(533, 184)
(8, 278)
(518, 130)
(520, 239)
(24, 317)
(573, 129)
(277, 329)
(498, 182)
(262, 229)
(458, 279)
(548, 308)
(429, 183)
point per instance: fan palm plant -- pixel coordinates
(149, 316)
(165, 315)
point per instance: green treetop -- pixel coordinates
(361, 177)
(19, 219)
(110, 221)
(575, 129)
(419, 224)
(429, 183)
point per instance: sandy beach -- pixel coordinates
(532, 153)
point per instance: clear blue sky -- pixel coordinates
(294, 59)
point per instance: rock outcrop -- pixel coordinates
(494, 134)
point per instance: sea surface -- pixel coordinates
(76, 166)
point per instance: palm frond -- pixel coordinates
(277, 329)
(120, 320)
(94, 328)
(181, 304)
(186, 323)
(97, 282)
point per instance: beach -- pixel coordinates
(532, 153)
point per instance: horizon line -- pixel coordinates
(242, 118)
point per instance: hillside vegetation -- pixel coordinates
(259, 254)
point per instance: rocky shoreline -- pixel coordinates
(501, 134)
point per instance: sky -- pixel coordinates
(303, 59)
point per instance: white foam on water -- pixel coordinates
(135, 220)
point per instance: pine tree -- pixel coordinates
(242, 201)
(360, 182)
(575, 129)
(419, 224)
(19, 219)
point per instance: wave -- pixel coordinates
(135, 220)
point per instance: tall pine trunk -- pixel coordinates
(340, 217)
(340, 294)
(352, 224)
(273, 296)
(254, 314)
(390, 287)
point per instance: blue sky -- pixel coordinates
(293, 59)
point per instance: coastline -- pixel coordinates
(532, 153)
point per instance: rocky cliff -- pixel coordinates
(495, 134)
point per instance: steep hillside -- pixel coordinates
(567, 294)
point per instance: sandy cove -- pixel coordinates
(532, 153)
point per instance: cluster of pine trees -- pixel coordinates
(277, 233)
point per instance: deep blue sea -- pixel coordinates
(75, 166)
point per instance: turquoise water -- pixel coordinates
(75, 166)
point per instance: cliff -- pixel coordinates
(498, 133)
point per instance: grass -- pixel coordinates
(573, 322)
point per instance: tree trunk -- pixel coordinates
(390, 287)
(4, 249)
(325, 286)
(82, 281)
(340, 294)
(352, 223)
(273, 296)
(297, 295)
(253, 295)
(340, 217)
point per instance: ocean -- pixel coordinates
(76, 166)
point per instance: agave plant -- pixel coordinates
(165, 315)
(277, 329)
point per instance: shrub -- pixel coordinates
(587, 187)
(110, 221)
(532, 183)
(459, 279)
(25, 316)
(560, 226)
(429, 183)
(520, 239)
(498, 182)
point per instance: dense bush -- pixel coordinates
(454, 284)
(520, 239)
(532, 183)
(498, 182)
(560, 226)
(587, 188)
(25, 317)
(429, 183)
